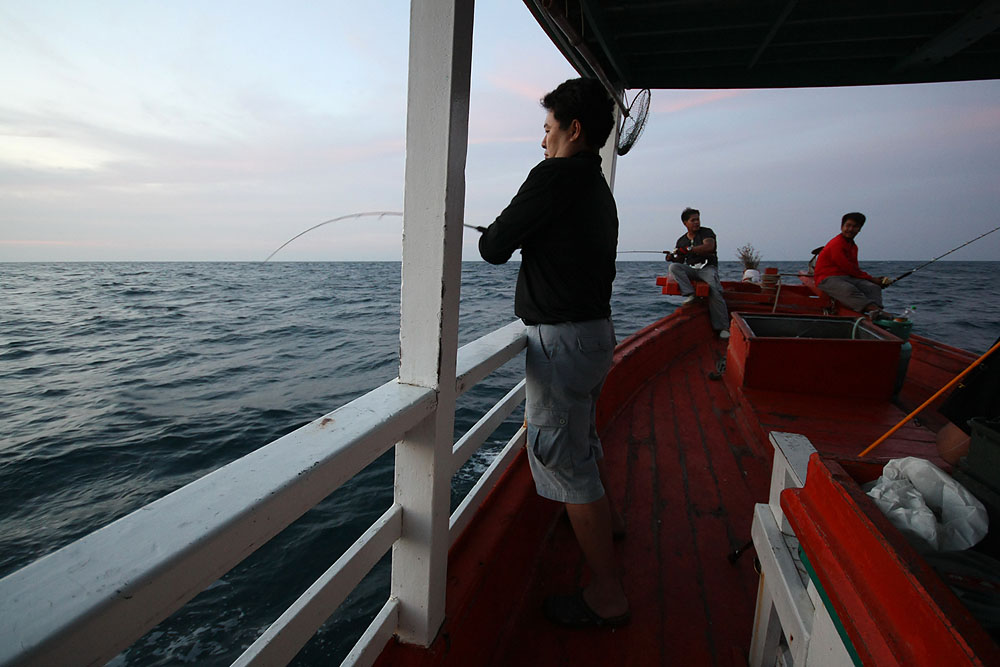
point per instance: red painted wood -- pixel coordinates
(863, 368)
(895, 609)
(687, 458)
(487, 574)
(671, 287)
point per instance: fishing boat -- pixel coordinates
(713, 445)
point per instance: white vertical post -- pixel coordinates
(609, 153)
(437, 123)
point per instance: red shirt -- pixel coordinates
(839, 257)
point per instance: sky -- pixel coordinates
(216, 131)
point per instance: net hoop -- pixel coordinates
(634, 122)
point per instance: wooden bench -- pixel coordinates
(830, 303)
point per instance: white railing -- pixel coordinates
(91, 599)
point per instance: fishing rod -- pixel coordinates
(648, 252)
(940, 256)
(955, 380)
(380, 214)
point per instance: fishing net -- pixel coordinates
(634, 122)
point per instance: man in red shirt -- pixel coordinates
(837, 272)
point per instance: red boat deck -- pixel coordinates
(687, 459)
(683, 476)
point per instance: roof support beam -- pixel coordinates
(597, 20)
(975, 25)
(775, 27)
(573, 44)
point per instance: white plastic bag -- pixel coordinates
(933, 510)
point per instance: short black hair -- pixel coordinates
(584, 100)
(855, 216)
(688, 212)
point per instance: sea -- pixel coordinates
(121, 382)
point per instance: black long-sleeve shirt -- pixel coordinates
(565, 222)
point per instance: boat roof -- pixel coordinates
(635, 44)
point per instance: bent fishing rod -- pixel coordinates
(895, 280)
(378, 214)
(382, 214)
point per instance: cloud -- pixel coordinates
(662, 101)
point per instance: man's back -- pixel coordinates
(565, 221)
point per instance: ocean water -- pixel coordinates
(121, 382)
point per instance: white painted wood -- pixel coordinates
(465, 512)
(817, 600)
(481, 357)
(469, 443)
(379, 632)
(788, 604)
(437, 122)
(609, 152)
(117, 570)
(766, 628)
(826, 648)
(784, 584)
(296, 626)
(88, 601)
(788, 470)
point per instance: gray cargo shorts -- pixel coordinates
(565, 369)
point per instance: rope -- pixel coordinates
(930, 400)
(854, 329)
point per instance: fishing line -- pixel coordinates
(940, 256)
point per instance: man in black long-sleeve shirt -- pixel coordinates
(565, 222)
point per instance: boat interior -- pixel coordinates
(685, 421)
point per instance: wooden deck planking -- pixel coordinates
(686, 480)
(686, 463)
(730, 459)
(843, 426)
(717, 528)
(640, 551)
(685, 619)
(685, 472)
(628, 448)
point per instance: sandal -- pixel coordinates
(572, 611)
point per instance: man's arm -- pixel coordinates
(707, 245)
(530, 207)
